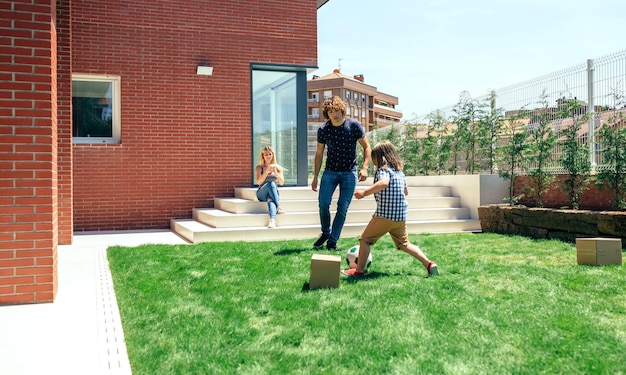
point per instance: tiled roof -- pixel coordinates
(336, 74)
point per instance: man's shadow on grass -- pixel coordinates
(302, 250)
(351, 280)
(284, 252)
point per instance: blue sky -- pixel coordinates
(426, 52)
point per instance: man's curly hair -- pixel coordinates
(333, 104)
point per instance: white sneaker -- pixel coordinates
(280, 210)
(272, 223)
(432, 269)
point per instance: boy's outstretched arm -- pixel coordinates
(380, 185)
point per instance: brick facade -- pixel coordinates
(28, 145)
(64, 116)
(185, 138)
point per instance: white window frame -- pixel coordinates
(328, 94)
(116, 102)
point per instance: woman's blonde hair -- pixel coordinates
(333, 104)
(384, 152)
(264, 150)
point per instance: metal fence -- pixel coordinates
(599, 85)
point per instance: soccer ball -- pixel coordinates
(352, 257)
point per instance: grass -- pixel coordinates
(502, 305)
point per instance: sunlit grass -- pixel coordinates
(502, 305)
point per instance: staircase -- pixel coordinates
(432, 209)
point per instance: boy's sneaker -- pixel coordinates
(320, 241)
(432, 268)
(352, 272)
(272, 224)
(331, 246)
(280, 210)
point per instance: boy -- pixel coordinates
(390, 191)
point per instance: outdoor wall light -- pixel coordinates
(204, 70)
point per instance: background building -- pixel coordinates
(364, 102)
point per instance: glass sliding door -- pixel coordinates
(275, 118)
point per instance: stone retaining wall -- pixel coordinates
(566, 225)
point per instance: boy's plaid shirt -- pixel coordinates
(391, 202)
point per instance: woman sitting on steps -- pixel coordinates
(269, 175)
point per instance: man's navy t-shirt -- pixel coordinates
(341, 143)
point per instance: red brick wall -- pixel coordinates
(186, 139)
(28, 149)
(593, 198)
(64, 116)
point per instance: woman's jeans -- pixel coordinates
(268, 192)
(347, 184)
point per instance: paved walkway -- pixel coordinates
(80, 333)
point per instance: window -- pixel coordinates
(274, 117)
(347, 110)
(347, 94)
(96, 110)
(328, 94)
(315, 113)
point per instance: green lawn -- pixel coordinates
(502, 305)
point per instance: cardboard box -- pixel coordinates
(325, 271)
(599, 251)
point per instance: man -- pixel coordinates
(340, 134)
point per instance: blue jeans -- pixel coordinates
(268, 192)
(347, 183)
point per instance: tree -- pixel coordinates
(412, 148)
(540, 148)
(460, 138)
(510, 153)
(440, 141)
(613, 172)
(575, 156)
(428, 157)
(491, 127)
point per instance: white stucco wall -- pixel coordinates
(474, 190)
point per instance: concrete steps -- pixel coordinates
(240, 218)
